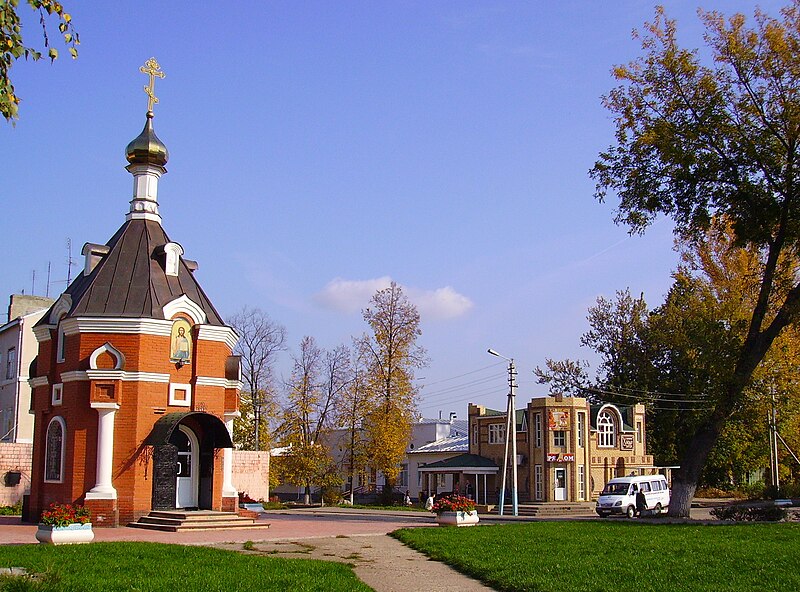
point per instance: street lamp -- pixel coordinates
(511, 435)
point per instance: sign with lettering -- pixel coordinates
(560, 458)
(626, 441)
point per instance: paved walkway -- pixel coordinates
(359, 539)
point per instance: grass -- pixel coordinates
(617, 555)
(153, 567)
(400, 508)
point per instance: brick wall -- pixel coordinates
(15, 457)
(251, 473)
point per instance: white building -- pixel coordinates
(18, 348)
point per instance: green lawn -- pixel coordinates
(151, 567)
(619, 555)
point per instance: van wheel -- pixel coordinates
(630, 512)
(658, 509)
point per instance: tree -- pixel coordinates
(351, 414)
(13, 46)
(260, 340)
(391, 354)
(315, 388)
(694, 141)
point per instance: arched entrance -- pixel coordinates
(183, 460)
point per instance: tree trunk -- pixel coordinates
(684, 481)
(307, 495)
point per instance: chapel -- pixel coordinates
(135, 386)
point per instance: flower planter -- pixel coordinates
(458, 518)
(65, 535)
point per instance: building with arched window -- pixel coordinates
(135, 387)
(567, 447)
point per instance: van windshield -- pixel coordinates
(615, 489)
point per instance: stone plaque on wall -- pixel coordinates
(626, 441)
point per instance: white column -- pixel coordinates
(228, 490)
(103, 488)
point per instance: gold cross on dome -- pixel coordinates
(152, 69)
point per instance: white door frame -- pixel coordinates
(560, 493)
(186, 489)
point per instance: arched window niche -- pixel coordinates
(54, 450)
(606, 429)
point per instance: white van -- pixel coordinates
(619, 495)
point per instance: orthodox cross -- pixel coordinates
(152, 69)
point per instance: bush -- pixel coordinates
(739, 513)
(332, 496)
(15, 510)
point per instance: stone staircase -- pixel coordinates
(194, 520)
(550, 509)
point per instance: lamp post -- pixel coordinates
(511, 435)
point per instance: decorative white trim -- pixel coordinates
(84, 375)
(184, 304)
(230, 415)
(101, 405)
(38, 381)
(184, 387)
(211, 381)
(172, 259)
(119, 357)
(60, 308)
(42, 332)
(57, 394)
(214, 333)
(74, 325)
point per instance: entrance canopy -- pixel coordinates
(214, 431)
(469, 464)
(463, 464)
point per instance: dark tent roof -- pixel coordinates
(462, 463)
(214, 430)
(130, 280)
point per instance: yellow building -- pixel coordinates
(567, 447)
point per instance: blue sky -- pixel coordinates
(319, 149)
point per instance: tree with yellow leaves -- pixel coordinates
(391, 356)
(698, 140)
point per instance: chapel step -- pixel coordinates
(182, 521)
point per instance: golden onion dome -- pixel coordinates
(146, 148)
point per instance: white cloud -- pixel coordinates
(351, 296)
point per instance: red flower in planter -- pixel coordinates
(453, 503)
(64, 515)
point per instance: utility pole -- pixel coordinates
(774, 445)
(511, 436)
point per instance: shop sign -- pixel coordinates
(626, 442)
(558, 420)
(560, 458)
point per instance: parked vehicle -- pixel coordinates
(619, 495)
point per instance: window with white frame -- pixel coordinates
(475, 433)
(537, 429)
(581, 482)
(402, 478)
(559, 438)
(54, 451)
(11, 363)
(581, 433)
(497, 433)
(639, 432)
(180, 395)
(61, 342)
(538, 482)
(606, 432)
(57, 394)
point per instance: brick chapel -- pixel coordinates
(135, 387)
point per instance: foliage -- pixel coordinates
(14, 510)
(453, 503)
(117, 567)
(603, 555)
(699, 142)
(741, 513)
(65, 514)
(14, 47)
(391, 355)
(315, 387)
(350, 415)
(260, 340)
(564, 377)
